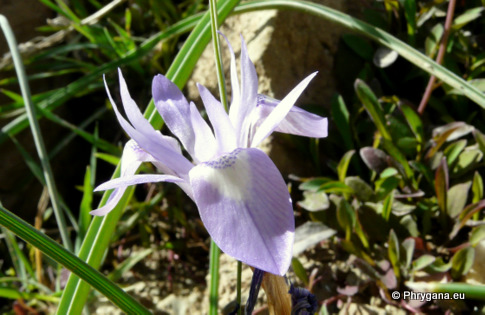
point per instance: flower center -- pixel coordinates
(229, 174)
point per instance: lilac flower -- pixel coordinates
(242, 198)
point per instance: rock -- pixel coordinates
(285, 46)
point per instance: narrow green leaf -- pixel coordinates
(346, 217)
(70, 261)
(442, 184)
(340, 115)
(372, 106)
(423, 261)
(462, 261)
(128, 264)
(453, 151)
(387, 206)
(410, 14)
(15, 294)
(414, 121)
(35, 129)
(394, 253)
(299, 270)
(477, 187)
(343, 165)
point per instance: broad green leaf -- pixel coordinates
(375, 159)
(456, 198)
(409, 223)
(340, 115)
(310, 234)
(467, 16)
(423, 261)
(360, 188)
(438, 266)
(314, 201)
(453, 151)
(468, 160)
(466, 215)
(343, 165)
(432, 41)
(372, 106)
(462, 261)
(477, 235)
(346, 217)
(299, 270)
(408, 246)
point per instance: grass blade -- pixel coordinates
(34, 124)
(55, 251)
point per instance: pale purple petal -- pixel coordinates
(137, 179)
(131, 159)
(244, 203)
(249, 90)
(280, 112)
(154, 143)
(205, 144)
(223, 129)
(175, 110)
(131, 109)
(297, 122)
(235, 90)
(113, 200)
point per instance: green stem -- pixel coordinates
(214, 278)
(217, 53)
(34, 125)
(64, 257)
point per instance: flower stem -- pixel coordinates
(214, 278)
(217, 54)
(238, 287)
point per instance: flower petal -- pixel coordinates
(244, 203)
(280, 112)
(297, 121)
(137, 179)
(153, 142)
(235, 91)
(205, 146)
(240, 111)
(131, 159)
(223, 129)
